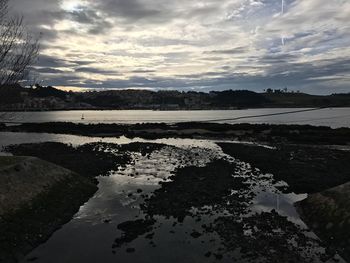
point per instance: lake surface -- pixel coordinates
(333, 117)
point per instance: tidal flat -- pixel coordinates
(194, 199)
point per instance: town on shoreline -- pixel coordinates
(39, 98)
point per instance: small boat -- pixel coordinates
(82, 117)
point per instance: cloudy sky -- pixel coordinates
(192, 44)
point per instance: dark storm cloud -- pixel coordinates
(203, 75)
(143, 71)
(212, 58)
(162, 41)
(52, 62)
(203, 11)
(38, 13)
(278, 58)
(39, 16)
(84, 16)
(48, 70)
(130, 10)
(97, 24)
(82, 62)
(236, 50)
(306, 70)
(153, 11)
(293, 81)
(219, 43)
(62, 80)
(95, 71)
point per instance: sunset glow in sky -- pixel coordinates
(192, 45)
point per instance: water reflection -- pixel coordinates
(333, 117)
(90, 235)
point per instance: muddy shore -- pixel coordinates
(309, 169)
(208, 191)
(306, 168)
(328, 214)
(37, 197)
(42, 210)
(299, 155)
(299, 134)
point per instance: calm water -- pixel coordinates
(333, 117)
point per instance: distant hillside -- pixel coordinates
(43, 92)
(240, 98)
(306, 100)
(10, 94)
(49, 98)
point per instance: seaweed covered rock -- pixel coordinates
(328, 213)
(306, 169)
(37, 197)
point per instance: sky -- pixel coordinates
(197, 45)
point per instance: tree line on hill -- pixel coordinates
(15, 97)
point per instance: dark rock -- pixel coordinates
(133, 229)
(208, 254)
(195, 234)
(218, 256)
(32, 259)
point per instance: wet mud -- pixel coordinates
(328, 214)
(306, 169)
(215, 205)
(32, 224)
(89, 160)
(301, 134)
(220, 200)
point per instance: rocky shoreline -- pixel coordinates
(298, 134)
(30, 221)
(37, 197)
(298, 155)
(323, 173)
(328, 214)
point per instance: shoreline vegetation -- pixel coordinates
(304, 156)
(18, 98)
